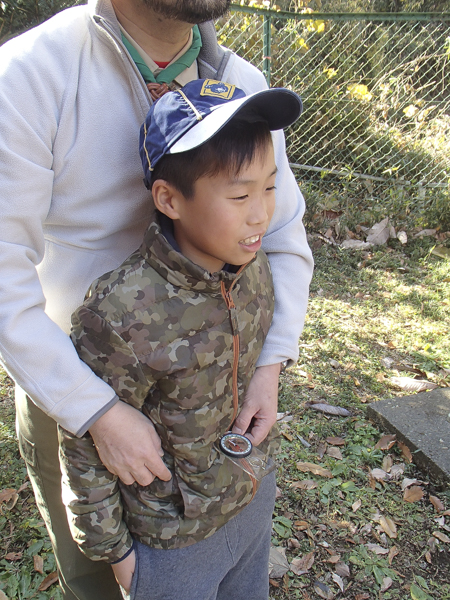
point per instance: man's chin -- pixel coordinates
(189, 11)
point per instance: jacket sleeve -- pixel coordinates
(91, 493)
(34, 350)
(92, 498)
(285, 242)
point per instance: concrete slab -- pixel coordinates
(422, 422)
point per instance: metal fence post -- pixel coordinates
(267, 43)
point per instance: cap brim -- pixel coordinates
(278, 106)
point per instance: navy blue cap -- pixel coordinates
(184, 119)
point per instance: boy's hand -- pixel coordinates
(123, 571)
(129, 446)
(260, 404)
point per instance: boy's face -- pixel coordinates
(227, 217)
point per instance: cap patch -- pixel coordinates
(217, 89)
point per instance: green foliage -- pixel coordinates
(376, 102)
(16, 16)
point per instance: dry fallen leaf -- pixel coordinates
(329, 409)
(278, 564)
(307, 467)
(408, 482)
(3, 596)
(441, 536)
(323, 590)
(388, 526)
(306, 484)
(48, 581)
(377, 548)
(337, 579)
(387, 582)
(334, 453)
(392, 553)
(38, 564)
(355, 244)
(321, 449)
(13, 556)
(397, 471)
(379, 233)
(7, 494)
(406, 452)
(386, 442)
(9, 498)
(402, 237)
(342, 569)
(379, 474)
(438, 505)
(428, 557)
(301, 525)
(23, 487)
(356, 505)
(334, 559)
(413, 494)
(335, 441)
(300, 566)
(362, 596)
(387, 463)
(408, 384)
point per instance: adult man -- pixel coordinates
(73, 206)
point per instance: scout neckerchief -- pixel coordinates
(158, 85)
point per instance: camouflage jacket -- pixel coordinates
(180, 345)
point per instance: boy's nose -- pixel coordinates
(259, 212)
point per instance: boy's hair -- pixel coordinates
(229, 151)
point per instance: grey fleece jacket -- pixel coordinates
(73, 205)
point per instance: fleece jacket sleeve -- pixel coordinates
(37, 354)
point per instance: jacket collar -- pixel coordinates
(212, 59)
(179, 270)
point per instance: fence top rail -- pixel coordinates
(360, 16)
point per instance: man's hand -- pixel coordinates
(123, 571)
(260, 404)
(129, 446)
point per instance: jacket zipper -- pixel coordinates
(231, 308)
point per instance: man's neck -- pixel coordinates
(161, 38)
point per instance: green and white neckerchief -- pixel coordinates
(158, 85)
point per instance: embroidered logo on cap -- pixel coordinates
(217, 89)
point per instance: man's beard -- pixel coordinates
(189, 11)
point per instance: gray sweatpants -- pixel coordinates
(230, 565)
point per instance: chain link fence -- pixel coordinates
(375, 87)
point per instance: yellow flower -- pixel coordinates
(411, 111)
(359, 92)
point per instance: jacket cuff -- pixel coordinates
(97, 416)
(125, 555)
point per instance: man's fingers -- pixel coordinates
(243, 420)
(258, 432)
(126, 478)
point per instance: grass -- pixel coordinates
(365, 307)
(367, 310)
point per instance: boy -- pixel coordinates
(176, 330)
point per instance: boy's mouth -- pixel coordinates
(250, 240)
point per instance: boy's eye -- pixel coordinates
(240, 197)
(271, 188)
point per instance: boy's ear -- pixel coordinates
(166, 198)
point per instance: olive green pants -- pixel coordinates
(79, 577)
